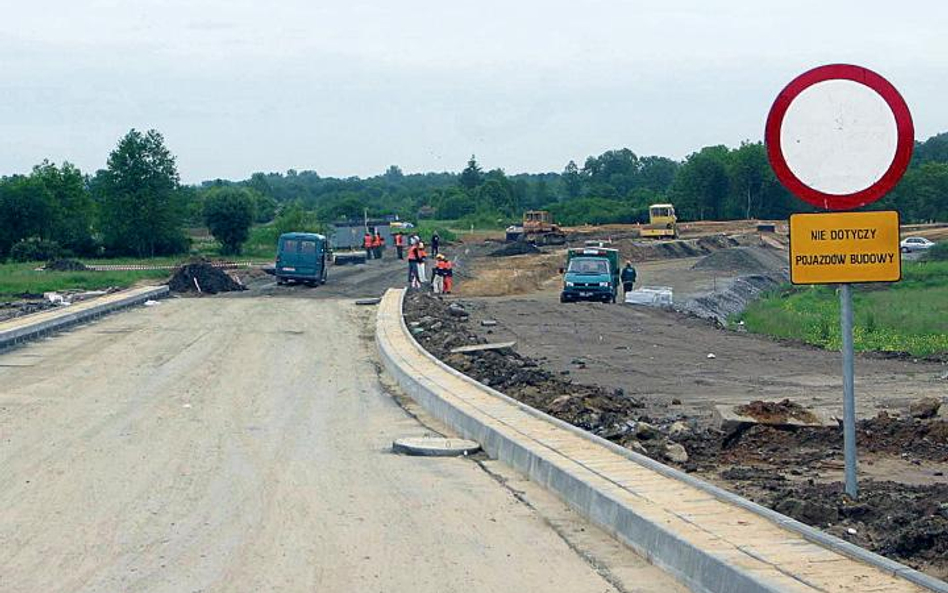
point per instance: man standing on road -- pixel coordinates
(437, 274)
(413, 266)
(367, 244)
(628, 277)
(420, 256)
(400, 245)
(378, 244)
(435, 244)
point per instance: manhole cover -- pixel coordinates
(435, 446)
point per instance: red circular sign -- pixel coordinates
(905, 140)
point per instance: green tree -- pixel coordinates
(26, 211)
(472, 175)
(264, 207)
(572, 180)
(71, 207)
(229, 213)
(701, 184)
(142, 210)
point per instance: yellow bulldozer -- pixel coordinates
(537, 228)
(662, 222)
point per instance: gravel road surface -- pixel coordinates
(241, 444)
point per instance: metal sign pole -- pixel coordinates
(849, 398)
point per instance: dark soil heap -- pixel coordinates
(515, 248)
(776, 412)
(66, 265)
(211, 280)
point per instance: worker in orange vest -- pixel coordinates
(378, 244)
(400, 245)
(413, 266)
(444, 279)
(367, 243)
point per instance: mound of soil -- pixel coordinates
(740, 260)
(776, 412)
(720, 306)
(515, 248)
(66, 265)
(204, 278)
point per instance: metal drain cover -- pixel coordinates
(435, 446)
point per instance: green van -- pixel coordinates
(301, 257)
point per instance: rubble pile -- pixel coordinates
(202, 277)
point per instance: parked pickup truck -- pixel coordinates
(591, 274)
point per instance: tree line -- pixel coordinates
(138, 207)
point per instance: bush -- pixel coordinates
(35, 250)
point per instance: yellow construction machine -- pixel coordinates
(662, 222)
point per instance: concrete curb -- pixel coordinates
(700, 570)
(76, 314)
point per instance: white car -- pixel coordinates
(910, 244)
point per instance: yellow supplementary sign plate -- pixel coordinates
(845, 247)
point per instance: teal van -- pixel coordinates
(591, 274)
(301, 257)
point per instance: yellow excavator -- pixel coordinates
(662, 222)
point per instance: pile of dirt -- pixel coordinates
(776, 412)
(66, 265)
(742, 260)
(809, 447)
(515, 248)
(204, 278)
(722, 305)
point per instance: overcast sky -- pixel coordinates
(347, 87)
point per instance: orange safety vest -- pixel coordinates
(412, 253)
(377, 241)
(367, 241)
(399, 240)
(421, 254)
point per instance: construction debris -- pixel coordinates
(482, 347)
(66, 265)
(202, 277)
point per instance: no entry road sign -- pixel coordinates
(837, 247)
(839, 136)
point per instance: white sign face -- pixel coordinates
(839, 137)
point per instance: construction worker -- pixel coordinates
(420, 261)
(628, 277)
(444, 275)
(413, 281)
(378, 243)
(447, 268)
(437, 275)
(367, 241)
(435, 244)
(400, 245)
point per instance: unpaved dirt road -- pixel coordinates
(663, 355)
(241, 444)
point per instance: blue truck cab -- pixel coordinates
(301, 257)
(591, 274)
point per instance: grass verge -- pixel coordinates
(908, 316)
(19, 279)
